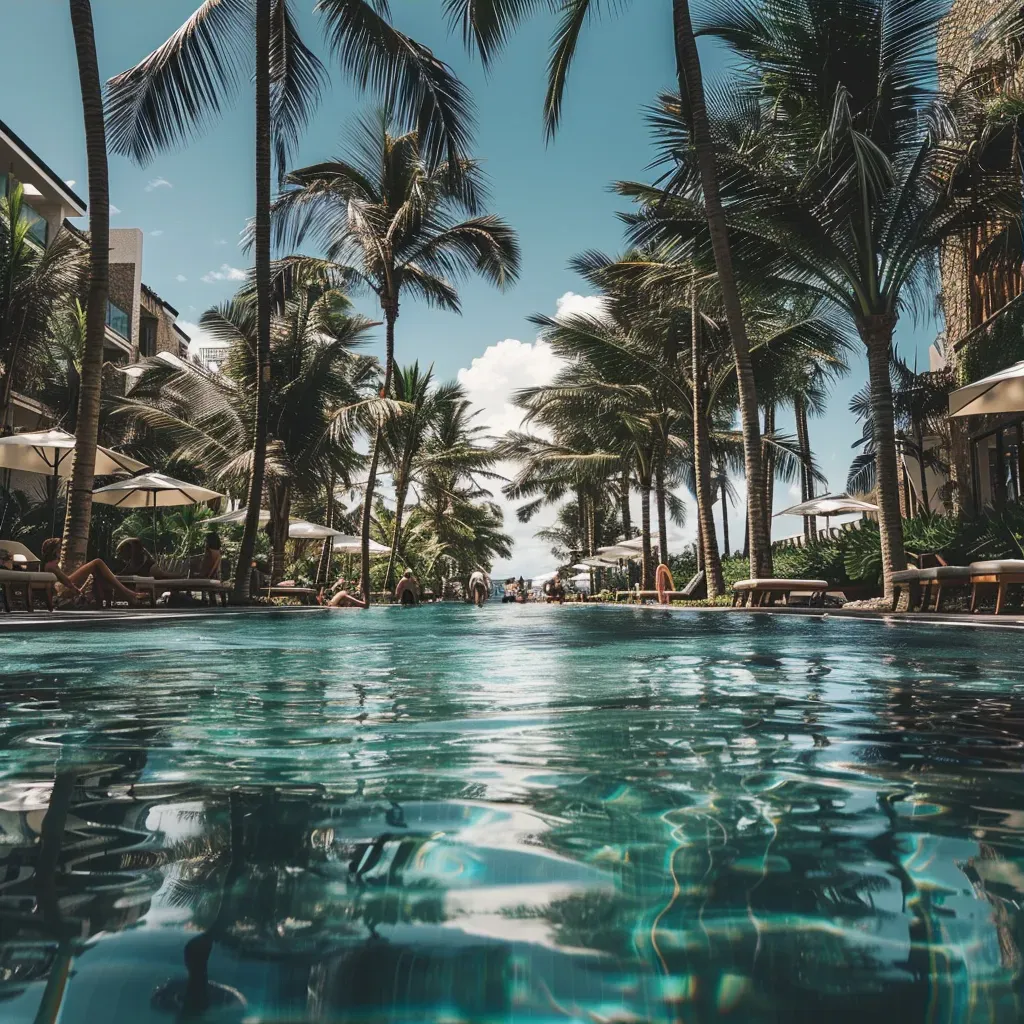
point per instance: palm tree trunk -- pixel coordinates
(396, 532)
(769, 467)
(691, 85)
(647, 565)
(659, 493)
(76, 533)
(923, 473)
(627, 519)
(803, 439)
(390, 316)
(876, 333)
(323, 570)
(706, 538)
(725, 515)
(280, 497)
(263, 298)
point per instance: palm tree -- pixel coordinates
(76, 531)
(37, 287)
(390, 222)
(487, 24)
(839, 177)
(320, 391)
(183, 84)
(432, 432)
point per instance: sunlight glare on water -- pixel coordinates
(511, 814)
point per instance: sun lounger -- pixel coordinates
(760, 592)
(193, 584)
(1001, 573)
(30, 584)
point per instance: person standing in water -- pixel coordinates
(407, 592)
(479, 587)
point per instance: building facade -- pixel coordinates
(985, 453)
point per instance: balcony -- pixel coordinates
(119, 321)
(38, 228)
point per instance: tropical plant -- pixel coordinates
(389, 221)
(321, 392)
(37, 286)
(487, 24)
(178, 89)
(839, 175)
(79, 512)
(920, 416)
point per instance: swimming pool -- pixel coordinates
(512, 814)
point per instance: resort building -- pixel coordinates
(139, 322)
(984, 313)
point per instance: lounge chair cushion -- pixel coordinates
(946, 572)
(997, 566)
(780, 584)
(907, 576)
(14, 576)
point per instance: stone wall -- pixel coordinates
(167, 338)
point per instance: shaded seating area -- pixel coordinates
(760, 593)
(920, 582)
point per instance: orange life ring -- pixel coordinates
(663, 583)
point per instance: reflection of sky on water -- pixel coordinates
(523, 814)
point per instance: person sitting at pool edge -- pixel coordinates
(73, 586)
(479, 587)
(407, 592)
(342, 597)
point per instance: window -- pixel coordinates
(118, 321)
(147, 337)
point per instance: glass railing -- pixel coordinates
(118, 321)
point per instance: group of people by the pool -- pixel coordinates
(97, 583)
(408, 591)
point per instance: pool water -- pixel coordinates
(576, 814)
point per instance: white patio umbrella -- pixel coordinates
(299, 529)
(829, 505)
(238, 516)
(52, 453)
(582, 579)
(349, 544)
(634, 544)
(1000, 392)
(153, 490)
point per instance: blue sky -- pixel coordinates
(192, 204)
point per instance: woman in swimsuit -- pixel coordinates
(73, 586)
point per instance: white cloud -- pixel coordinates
(157, 233)
(571, 304)
(226, 273)
(490, 382)
(113, 209)
(70, 183)
(181, 278)
(156, 183)
(221, 241)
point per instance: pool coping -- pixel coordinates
(16, 621)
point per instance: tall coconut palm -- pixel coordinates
(841, 177)
(486, 24)
(181, 86)
(391, 223)
(76, 531)
(319, 389)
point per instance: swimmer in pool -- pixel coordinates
(407, 593)
(479, 587)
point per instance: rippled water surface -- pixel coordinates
(514, 814)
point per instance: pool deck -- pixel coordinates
(115, 617)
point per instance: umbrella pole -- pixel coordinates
(156, 538)
(53, 506)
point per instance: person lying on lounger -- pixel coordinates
(73, 587)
